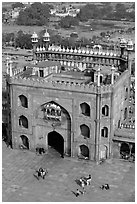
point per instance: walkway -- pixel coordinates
(19, 184)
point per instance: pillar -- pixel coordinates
(10, 65)
(97, 126)
(112, 74)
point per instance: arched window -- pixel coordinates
(105, 110)
(84, 151)
(23, 101)
(24, 142)
(52, 111)
(104, 132)
(85, 131)
(85, 109)
(23, 121)
(101, 79)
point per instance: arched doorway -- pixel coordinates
(57, 116)
(56, 141)
(84, 151)
(124, 150)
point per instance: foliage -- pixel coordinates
(7, 37)
(92, 11)
(36, 14)
(68, 21)
(17, 4)
(23, 40)
(4, 9)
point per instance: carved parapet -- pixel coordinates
(128, 126)
(106, 88)
(44, 83)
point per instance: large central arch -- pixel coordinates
(56, 141)
(59, 119)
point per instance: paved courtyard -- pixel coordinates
(20, 185)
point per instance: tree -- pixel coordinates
(120, 11)
(36, 14)
(68, 21)
(23, 40)
(17, 5)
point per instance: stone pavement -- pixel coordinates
(20, 185)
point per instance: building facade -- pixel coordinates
(76, 106)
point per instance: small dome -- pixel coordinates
(56, 48)
(60, 48)
(79, 51)
(123, 40)
(40, 49)
(64, 49)
(130, 42)
(46, 34)
(43, 48)
(87, 51)
(53, 48)
(49, 48)
(83, 51)
(37, 49)
(91, 52)
(111, 54)
(67, 50)
(34, 35)
(103, 53)
(75, 50)
(71, 50)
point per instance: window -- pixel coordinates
(52, 111)
(24, 142)
(84, 151)
(105, 110)
(104, 132)
(23, 101)
(41, 73)
(23, 121)
(85, 109)
(85, 131)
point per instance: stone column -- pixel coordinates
(112, 74)
(10, 66)
(97, 125)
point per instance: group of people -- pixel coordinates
(86, 181)
(41, 173)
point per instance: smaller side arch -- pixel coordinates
(23, 101)
(24, 142)
(85, 131)
(85, 109)
(104, 132)
(83, 151)
(23, 121)
(105, 110)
